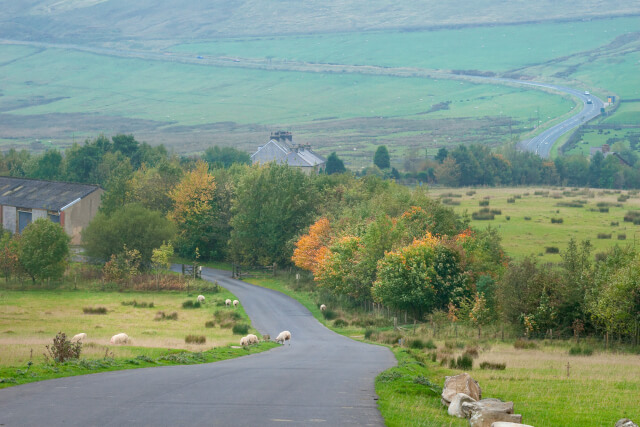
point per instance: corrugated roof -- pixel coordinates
(37, 194)
(280, 152)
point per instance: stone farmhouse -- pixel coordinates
(25, 200)
(282, 150)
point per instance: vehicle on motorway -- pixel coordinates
(586, 92)
(589, 101)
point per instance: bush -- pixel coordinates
(63, 349)
(329, 314)
(416, 343)
(580, 351)
(137, 304)
(604, 236)
(483, 203)
(226, 316)
(472, 351)
(483, 214)
(496, 211)
(632, 216)
(161, 315)
(94, 310)
(557, 220)
(340, 323)
(240, 329)
(209, 324)
(191, 304)
(524, 345)
(493, 366)
(614, 223)
(195, 339)
(464, 362)
(508, 218)
(622, 237)
(511, 200)
(453, 344)
(552, 250)
(368, 333)
(603, 210)
(527, 218)
(471, 192)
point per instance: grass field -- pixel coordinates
(30, 319)
(522, 237)
(596, 138)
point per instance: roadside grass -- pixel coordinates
(30, 318)
(522, 237)
(596, 138)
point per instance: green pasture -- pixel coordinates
(616, 138)
(522, 237)
(628, 113)
(492, 48)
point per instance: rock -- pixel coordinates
(487, 418)
(462, 383)
(508, 424)
(626, 422)
(490, 404)
(455, 408)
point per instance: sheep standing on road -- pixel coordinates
(323, 307)
(201, 299)
(121, 338)
(235, 303)
(227, 302)
(284, 336)
(79, 337)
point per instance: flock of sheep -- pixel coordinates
(123, 338)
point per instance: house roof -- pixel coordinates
(37, 194)
(280, 152)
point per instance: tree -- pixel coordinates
(338, 269)
(48, 166)
(334, 164)
(442, 154)
(43, 251)
(311, 247)
(126, 144)
(381, 159)
(133, 226)
(273, 204)
(118, 188)
(161, 258)
(448, 173)
(225, 157)
(194, 210)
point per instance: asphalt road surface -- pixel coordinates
(320, 378)
(542, 143)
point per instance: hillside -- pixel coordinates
(109, 20)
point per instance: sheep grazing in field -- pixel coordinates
(79, 337)
(284, 336)
(227, 302)
(252, 339)
(244, 341)
(236, 303)
(323, 307)
(200, 299)
(119, 339)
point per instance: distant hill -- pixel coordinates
(115, 20)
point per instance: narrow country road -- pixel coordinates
(321, 378)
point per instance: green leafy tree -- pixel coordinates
(224, 157)
(133, 226)
(442, 154)
(48, 166)
(125, 144)
(334, 164)
(43, 250)
(381, 158)
(118, 188)
(274, 203)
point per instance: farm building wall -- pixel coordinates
(9, 218)
(78, 215)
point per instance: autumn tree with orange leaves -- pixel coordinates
(311, 247)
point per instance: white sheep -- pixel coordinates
(235, 303)
(323, 307)
(284, 336)
(121, 338)
(79, 337)
(227, 302)
(244, 341)
(200, 299)
(252, 339)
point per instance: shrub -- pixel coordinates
(450, 202)
(137, 304)
(527, 218)
(430, 345)
(416, 343)
(472, 351)
(552, 250)
(161, 315)
(493, 366)
(496, 211)
(340, 323)
(632, 216)
(240, 329)
(453, 344)
(483, 203)
(471, 192)
(226, 316)
(329, 314)
(508, 218)
(580, 351)
(622, 237)
(511, 200)
(557, 220)
(209, 324)
(464, 362)
(524, 345)
(191, 304)
(540, 193)
(571, 204)
(63, 349)
(483, 214)
(604, 236)
(195, 339)
(603, 210)
(615, 223)
(368, 333)
(94, 310)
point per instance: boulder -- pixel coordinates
(455, 408)
(508, 424)
(487, 418)
(462, 383)
(490, 404)
(626, 422)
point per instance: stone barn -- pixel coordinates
(24, 200)
(282, 150)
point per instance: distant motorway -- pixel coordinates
(541, 144)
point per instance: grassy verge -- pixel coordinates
(16, 375)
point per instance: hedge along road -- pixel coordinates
(320, 378)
